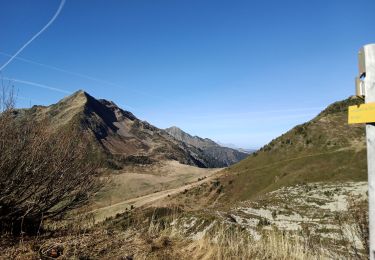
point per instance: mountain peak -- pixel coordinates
(181, 135)
(79, 97)
(175, 128)
(341, 106)
(119, 138)
(80, 93)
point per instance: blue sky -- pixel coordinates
(239, 72)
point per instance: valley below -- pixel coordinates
(142, 186)
(304, 221)
(165, 194)
(324, 210)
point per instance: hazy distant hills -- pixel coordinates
(223, 156)
(118, 137)
(323, 149)
(243, 150)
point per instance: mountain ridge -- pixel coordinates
(117, 136)
(324, 149)
(227, 156)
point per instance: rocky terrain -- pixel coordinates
(315, 207)
(119, 138)
(302, 196)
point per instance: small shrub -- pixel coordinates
(263, 222)
(43, 174)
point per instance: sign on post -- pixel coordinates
(364, 113)
(365, 87)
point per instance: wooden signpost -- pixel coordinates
(365, 87)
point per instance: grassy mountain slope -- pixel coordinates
(223, 156)
(323, 149)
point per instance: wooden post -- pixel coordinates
(366, 60)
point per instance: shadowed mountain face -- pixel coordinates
(223, 156)
(323, 149)
(118, 137)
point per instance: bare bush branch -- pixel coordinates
(43, 174)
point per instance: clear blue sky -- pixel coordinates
(239, 72)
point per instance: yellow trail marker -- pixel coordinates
(364, 113)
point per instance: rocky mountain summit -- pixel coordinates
(117, 137)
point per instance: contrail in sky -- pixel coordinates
(38, 85)
(34, 84)
(58, 69)
(62, 3)
(109, 83)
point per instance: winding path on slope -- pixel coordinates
(102, 213)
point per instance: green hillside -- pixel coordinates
(321, 150)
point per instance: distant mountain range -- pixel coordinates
(244, 150)
(119, 138)
(224, 156)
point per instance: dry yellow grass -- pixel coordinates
(162, 238)
(146, 185)
(225, 242)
